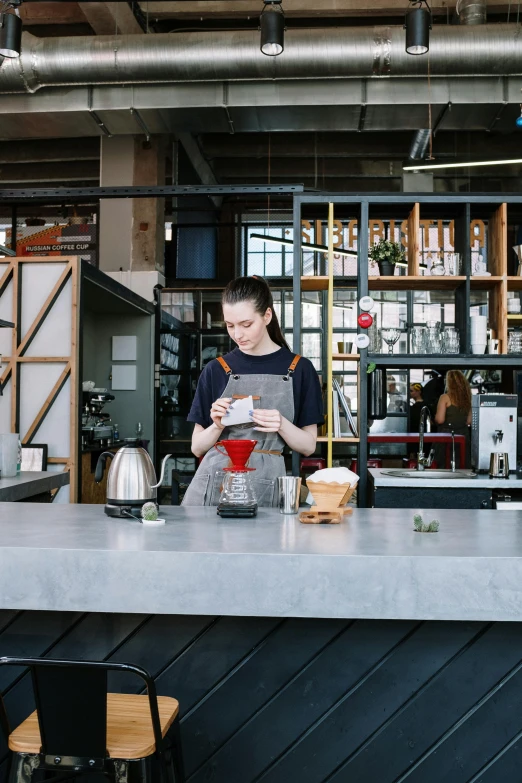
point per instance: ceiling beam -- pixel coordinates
(51, 13)
(111, 18)
(49, 150)
(21, 173)
(205, 9)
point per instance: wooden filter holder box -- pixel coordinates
(330, 502)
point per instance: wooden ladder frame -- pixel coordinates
(20, 346)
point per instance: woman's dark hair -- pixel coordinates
(257, 291)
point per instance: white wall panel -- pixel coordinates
(56, 427)
(36, 383)
(6, 312)
(54, 336)
(38, 280)
(5, 408)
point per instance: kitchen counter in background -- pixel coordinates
(261, 629)
(479, 492)
(30, 484)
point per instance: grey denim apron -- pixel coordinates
(271, 392)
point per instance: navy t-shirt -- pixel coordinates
(308, 400)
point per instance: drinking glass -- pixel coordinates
(515, 341)
(418, 339)
(390, 337)
(452, 263)
(450, 340)
(433, 337)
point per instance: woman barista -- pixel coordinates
(285, 388)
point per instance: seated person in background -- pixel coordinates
(454, 413)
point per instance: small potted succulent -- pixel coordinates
(149, 514)
(386, 254)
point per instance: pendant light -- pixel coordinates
(10, 35)
(518, 120)
(272, 24)
(418, 26)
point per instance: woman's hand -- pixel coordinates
(266, 421)
(218, 410)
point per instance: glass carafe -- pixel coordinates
(237, 491)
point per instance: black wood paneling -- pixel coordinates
(316, 701)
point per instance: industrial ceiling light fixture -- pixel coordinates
(10, 29)
(418, 25)
(421, 165)
(272, 25)
(304, 245)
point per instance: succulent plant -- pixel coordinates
(420, 527)
(149, 512)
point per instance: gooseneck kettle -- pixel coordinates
(131, 481)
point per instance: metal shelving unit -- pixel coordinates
(415, 208)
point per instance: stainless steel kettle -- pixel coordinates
(499, 464)
(131, 481)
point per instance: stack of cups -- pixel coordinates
(479, 333)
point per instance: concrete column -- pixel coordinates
(132, 233)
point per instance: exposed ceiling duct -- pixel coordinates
(472, 11)
(419, 144)
(455, 50)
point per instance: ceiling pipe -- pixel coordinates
(472, 11)
(455, 50)
(419, 144)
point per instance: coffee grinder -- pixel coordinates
(238, 499)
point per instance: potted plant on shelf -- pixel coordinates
(386, 254)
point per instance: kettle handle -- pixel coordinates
(155, 486)
(100, 465)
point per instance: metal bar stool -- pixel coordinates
(78, 727)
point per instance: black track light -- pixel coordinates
(10, 35)
(418, 26)
(272, 24)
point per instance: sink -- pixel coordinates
(429, 474)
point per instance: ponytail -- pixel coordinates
(257, 291)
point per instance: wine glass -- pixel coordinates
(390, 337)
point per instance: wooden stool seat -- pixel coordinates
(129, 727)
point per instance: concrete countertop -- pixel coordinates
(480, 481)
(29, 483)
(74, 558)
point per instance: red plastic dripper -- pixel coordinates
(238, 452)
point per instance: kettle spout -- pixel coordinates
(160, 482)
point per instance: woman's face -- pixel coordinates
(415, 394)
(246, 327)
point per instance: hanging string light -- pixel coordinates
(418, 25)
(272, 24)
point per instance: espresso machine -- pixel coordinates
(493, 430)
(97, 431)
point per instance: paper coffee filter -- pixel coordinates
(339, 475)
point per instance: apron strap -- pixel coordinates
(224, 365)
(295, 361)
(292, 367)
(272, 452)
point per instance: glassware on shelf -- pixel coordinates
(452, 264)
(515, 341)
(433, 337)
(418, 339)
(437, 267)
(375, 341)
(450, 340)
(390, 337)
